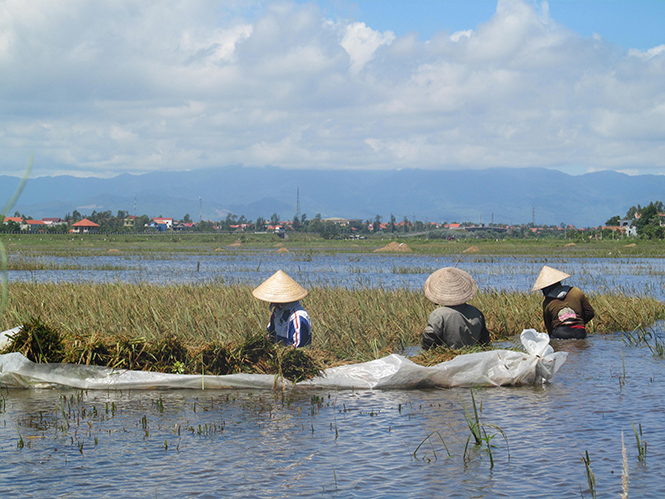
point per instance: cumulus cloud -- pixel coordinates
(361, 42)
(106, 87)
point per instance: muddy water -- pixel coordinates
(304, 443)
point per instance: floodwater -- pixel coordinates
(632, 275)
(327, 443)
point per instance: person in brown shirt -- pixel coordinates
(566, 309)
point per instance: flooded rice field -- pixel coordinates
(632, 275)
(534, 440)
(327, 443)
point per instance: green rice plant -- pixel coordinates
(478, 432)
(641, 444)
(591, 479)
(646, 336)
(428, 439)
(20, 444)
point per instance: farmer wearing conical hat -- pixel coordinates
(289, 322)
(455, 323)
(566, 309)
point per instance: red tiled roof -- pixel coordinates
(18, 220)
(85, 223)
(35, 222)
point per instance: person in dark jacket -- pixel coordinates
(456, 323)
(566, 309)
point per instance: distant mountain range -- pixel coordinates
(499, 195)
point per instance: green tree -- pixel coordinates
(648, 224)
(614, 221)
(316, 224)
(296, 223)
(377, 223)
(330, 230)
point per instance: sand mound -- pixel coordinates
(631, 245)
(395, 246)
(570, 244)
(278, 245)
(235, 245)
(471, 249)
(282, 250)
(113, 250)
(219, 249)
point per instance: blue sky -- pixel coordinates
(636, 24)
(118, 86)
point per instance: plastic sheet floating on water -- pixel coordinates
(536, 365)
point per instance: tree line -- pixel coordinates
(646, 220)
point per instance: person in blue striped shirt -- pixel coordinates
(289, 323)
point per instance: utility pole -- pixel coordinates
(200, 209)
(533, 216)
(298, 202)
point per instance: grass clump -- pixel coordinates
(255, 354)
(38, 342)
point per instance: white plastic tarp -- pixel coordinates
(536, 365)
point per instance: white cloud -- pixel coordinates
(457, 36)
(646, 55)
(361, 42)
(111, 86)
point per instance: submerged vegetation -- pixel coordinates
(188, 328)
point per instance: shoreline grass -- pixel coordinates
(349, 325)
(207, 243)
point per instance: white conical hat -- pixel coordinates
(279, 288)
(450, 286)
(548, 276)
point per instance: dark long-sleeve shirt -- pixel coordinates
(456, 326)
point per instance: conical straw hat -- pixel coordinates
(548, 276)
(279, 288)
(450, 286)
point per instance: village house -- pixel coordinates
(129, 221)
(51, 221)
(33, 225)
(342, 222)
(84, 226)
(168, 222)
